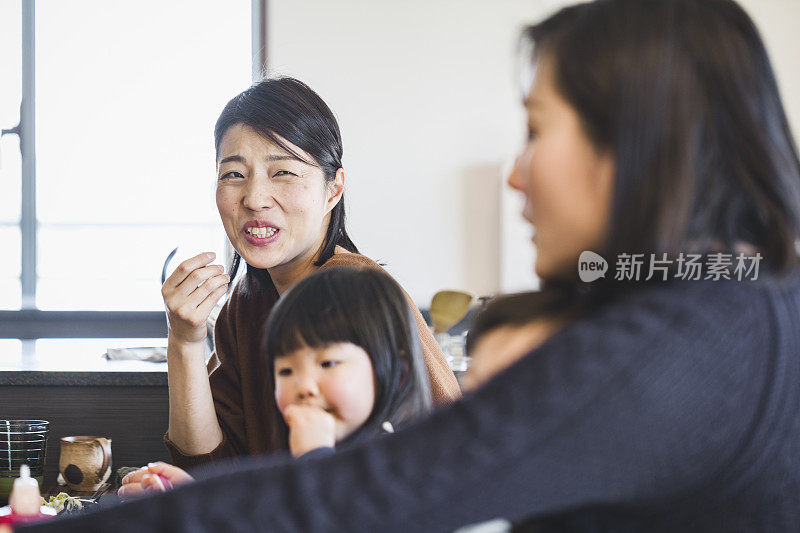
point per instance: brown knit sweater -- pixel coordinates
(238, 370)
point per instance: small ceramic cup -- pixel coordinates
(85, 462)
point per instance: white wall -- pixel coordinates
(427, 98)
(777, 21)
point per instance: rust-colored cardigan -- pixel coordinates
(239, 375)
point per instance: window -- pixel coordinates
(117, 161)
(10, 161)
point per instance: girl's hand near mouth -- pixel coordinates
(309, 428)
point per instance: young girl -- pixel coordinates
(346, 370)
(342, 371)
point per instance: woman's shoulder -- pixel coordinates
(345, 259)
(687, 309)
(678, 359)
(710, 302)
(725, 331)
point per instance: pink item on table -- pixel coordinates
(163, 483)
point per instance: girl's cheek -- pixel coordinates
(340, 397)
(355, 402)
(280, 398)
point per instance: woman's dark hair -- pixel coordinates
(286, 108)
(368, 309)
(682, 94)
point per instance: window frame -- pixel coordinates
(30, 323)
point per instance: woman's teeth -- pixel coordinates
(261, 233)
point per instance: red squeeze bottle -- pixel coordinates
(25, 502)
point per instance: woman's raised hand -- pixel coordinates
(190, 294)
(155, 477)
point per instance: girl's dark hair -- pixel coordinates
(682, 94)
(287, 108)
(368, 309)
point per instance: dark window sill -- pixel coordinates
(36, 324)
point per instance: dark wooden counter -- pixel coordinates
(127, 402)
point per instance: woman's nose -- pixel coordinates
(515, 180)
(258, 194)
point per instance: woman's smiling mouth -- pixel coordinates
(259, 233)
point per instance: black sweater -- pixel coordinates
(674, 408)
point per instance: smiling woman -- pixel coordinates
(291, 191)
(280, 195)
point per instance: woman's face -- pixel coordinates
(337, 378)
(567, 182)
(274, 207)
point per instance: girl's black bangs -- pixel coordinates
(309, 324)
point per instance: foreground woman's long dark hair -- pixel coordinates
(684, 96)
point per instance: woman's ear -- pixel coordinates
(335, 190)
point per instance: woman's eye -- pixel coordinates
(285, 173)
(329, 364)
(231, 175)
(285, 372)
